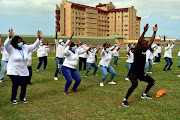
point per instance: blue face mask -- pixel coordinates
(20, 44)
(73, 48)
(107, 50)
(92, 50)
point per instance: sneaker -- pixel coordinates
(63, 77)
(24, 100)
(37, 70)
(55, 78)
(112, 83)
(149, 72)
(178, 66)
(146, 96)
(86, 76)
(125, 103)
(14, 101)
(45, 69)
(178, 76)
(164, 70)
(65, 92)
(101, 84)
(96, 74)
(76, 91)
(127, 79)
(168, 69)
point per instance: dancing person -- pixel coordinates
(149, 60)
(91, 60)
(69, 65)
(130, 60)
(116, 54)
(104, 64)
(137, 68)
(179, 59)
(17, 64)
(4, 61)
(42, 54)
(60, 46)
(82, 59)
(157, 53)
(168, 56)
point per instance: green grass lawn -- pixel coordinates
(47, 102)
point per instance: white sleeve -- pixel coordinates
(66, 51)
(56, 42)
(33, 46)
(7, 44)
(81, 51)
(102, 52)
(172, 46)
(166, 48)
(67, 42)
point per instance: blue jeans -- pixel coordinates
(179, 60)
(70, 73)
(128, 65)
(104, 71)
(169, 63)
(115, 60)
(89, 67)
(3, 69)
(149, 64)
(59, 61)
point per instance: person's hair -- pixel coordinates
(72, 44)
(129, 44)
(15, 41)
(158, 44)
(104, 45)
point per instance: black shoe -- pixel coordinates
(145, 96)
(14, 101)
(168, 69)
(24, 100)
(178, 66)
(164, 70)
(30, 83)
(125, 104)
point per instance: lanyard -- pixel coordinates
(22, 54)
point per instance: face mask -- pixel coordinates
(73, 48)
(107, 50)
(92, 50)
(20, 44)
(41, 43)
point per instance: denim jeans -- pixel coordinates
(104, 71)
(149, 64)
(16, 81)
(3, 69)
(169, 62)
(115, 60)
(40, 62)
(179, 60)
(59, 61)
(70, 73)
(89, 67)
(128, 65)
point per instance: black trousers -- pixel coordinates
(134, 76)
(40, 62)
(80, 63)
(157, 59)
(16, 81)
(30, 74)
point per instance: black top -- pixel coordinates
(139, 61)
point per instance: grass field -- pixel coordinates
(47, 102)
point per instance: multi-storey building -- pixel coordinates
(100, 21)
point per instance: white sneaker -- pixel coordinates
(85, 76)
(55, 78)
(112, 83)
(149, 72)
(63, 77)
(178, 76)
(101, 84)
(127, 79)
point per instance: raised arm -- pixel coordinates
(88, 49)
(8, 40)
(142, 36)
(67, 42)
(172, 45)
(36, 43)
(153, 36)
(98, 50)
(81, 51)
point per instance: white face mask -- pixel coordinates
(41, 43)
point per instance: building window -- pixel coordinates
(73, 28)
(82, 13)
(102, 16)
(111, 25)
(118, 20)
(82, 33)
(118, 29)
(118, 16)
(125, 11)
(112, 17)
(125, 25)
(125, 34)
(118, 25)
(72, 11)
(126, 16)
(73, 17)
(125, 29)
(125, 20)
(73, 22)
(111, 21)
(79, 33)
(79, 13)
(76, 12)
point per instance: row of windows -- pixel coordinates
(119, 16)
(78, 23)
(77, 13)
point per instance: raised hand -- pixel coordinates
(69, 43)
(155, 28)
(146, 27)
(79, 42)
(39, 34)
(11, 33)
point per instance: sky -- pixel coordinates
(28, 16)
